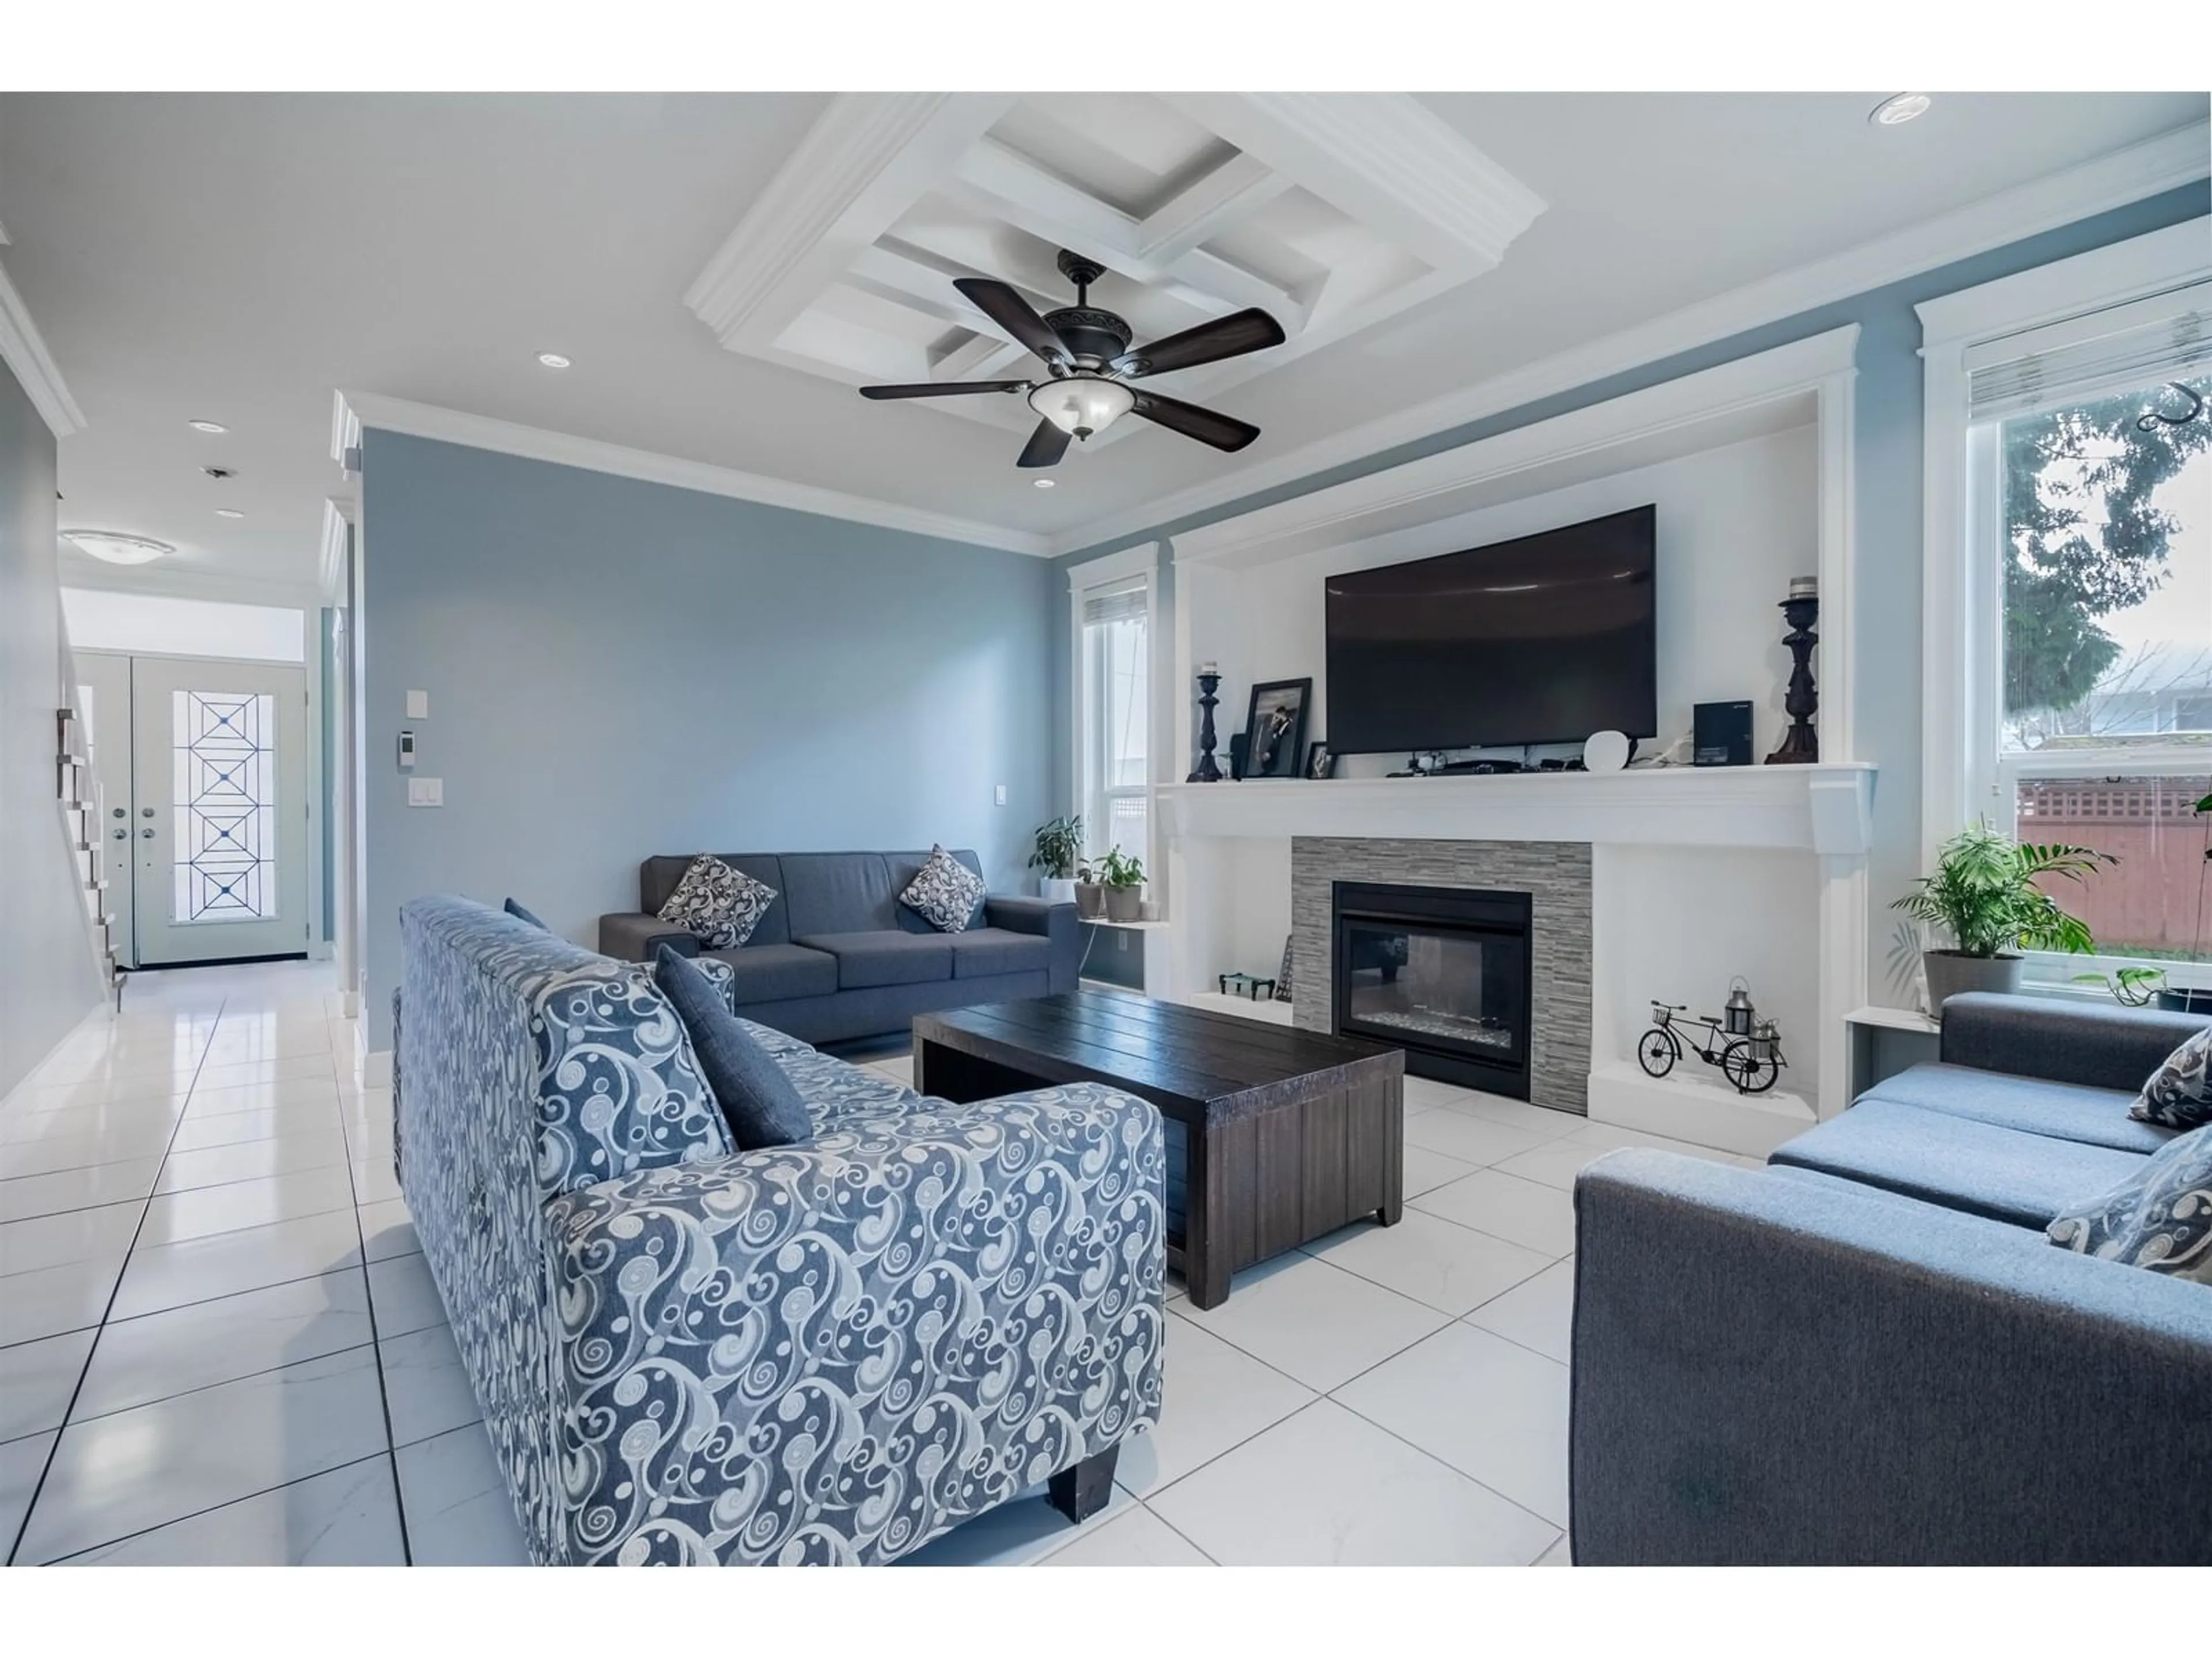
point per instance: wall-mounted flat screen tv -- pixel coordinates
(1543, 639)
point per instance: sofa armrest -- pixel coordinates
(631, 937)
(763, 1358)
(2097, 1046)
(1058, 922)
(1770, 1370)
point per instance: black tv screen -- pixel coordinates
(1544, 639)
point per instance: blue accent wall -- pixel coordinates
(617, 669)
(1886, 507)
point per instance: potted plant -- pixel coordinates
(1124, 880)
(1984, 895)
(1090, 893)
(1059, 852)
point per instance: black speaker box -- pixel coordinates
(1722, 734)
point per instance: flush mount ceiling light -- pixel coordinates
(229, 513)
(1087, 354)
(552, 360)
(215, 427)
(117, 549)
(1896, 111)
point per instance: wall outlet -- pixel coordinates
(999, 796)
(426, 791)
(418, 705)
(1120, 940)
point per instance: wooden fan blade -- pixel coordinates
(1046, 446)
(1006, 308)
(943, 388)
(1209, 343)
(1206, 425)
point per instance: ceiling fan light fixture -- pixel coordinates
(118, 549)
(1082, 405)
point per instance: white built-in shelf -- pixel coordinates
(1267, 1012)
(1704, 1110)
(1820, 809)
(1105, 921)
(1894, 1019)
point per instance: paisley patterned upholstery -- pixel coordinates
(830, 1352)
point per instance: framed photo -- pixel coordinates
(1275, 728)
(1319, 763)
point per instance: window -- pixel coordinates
(1115, 714)
(2070, 550)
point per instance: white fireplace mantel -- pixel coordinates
(1823, 809)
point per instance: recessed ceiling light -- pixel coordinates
(118, 549)
(1896, 112)
(229, 513)
(216, 426)
(552, 360)
(1043, 483)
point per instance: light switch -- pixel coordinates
(426, 791)
(418, 705)
(999, 796)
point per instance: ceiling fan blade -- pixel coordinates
(943, 388)
(1207, 426)
(1045, 447)
(1006, 308)
(1209, 343)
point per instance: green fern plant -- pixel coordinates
(1984, 894)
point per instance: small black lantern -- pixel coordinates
(1741, 1018)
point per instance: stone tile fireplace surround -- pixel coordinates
(1555, 874)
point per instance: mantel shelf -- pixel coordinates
(1822, 809)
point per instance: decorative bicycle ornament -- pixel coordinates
(1747, 1049)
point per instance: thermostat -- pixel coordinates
(406, 751)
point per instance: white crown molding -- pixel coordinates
(2176, 158)
(2102, 277)
(25, 352)
(1437, 486)
(859, 166)
(330, 560)
(354, 411)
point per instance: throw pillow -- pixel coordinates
(757, 1100)
(2159, 1217)
(521, 914)
(943, 893)
(2179, 1093)
(720, 904)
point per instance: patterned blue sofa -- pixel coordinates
(824, 1352)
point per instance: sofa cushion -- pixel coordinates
(944, 893)
(1959, 1162)
(770, 972)
(2158, 1218)
(619, 1087)
(2065, 1111)
(657, 876)
(2179, 1093)
(983, 951)
(521, 914)
(839, 893)
(884, 957)
(905, 866)
(759, 1105)
(719, 903)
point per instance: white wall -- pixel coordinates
(162, 625)
(1735, 525)
(49, 979)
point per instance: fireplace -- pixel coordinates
(1443, 973)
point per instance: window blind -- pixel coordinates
(2167, 336)
(1116, 601)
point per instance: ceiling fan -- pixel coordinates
(1088, 354)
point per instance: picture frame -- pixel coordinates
(1319, 761)
(1275, 727)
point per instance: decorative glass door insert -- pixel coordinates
(226, 858)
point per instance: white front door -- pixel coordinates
(218, 814)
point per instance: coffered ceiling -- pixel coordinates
(722, 270)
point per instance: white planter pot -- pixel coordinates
(1058, 890)
(1949, 974)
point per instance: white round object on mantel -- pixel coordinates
(1606, 751)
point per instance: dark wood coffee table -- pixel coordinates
(1285, 1134)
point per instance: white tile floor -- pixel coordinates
(219, 1341)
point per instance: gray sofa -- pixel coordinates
(837, 956)
(1869, 1352)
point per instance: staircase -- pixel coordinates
(80, 795)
